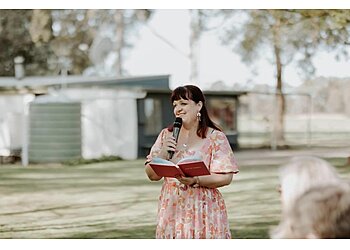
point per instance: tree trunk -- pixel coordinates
(278, 139)
(194, 43)
(40, 26)
(119, 19)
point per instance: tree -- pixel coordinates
(287, 35)
(120, 22)
(58, 41)
(40, 28)
(73, 33)
(49, 40)
(200, 22)
(195, 33)
(114, 35)
(16, 40)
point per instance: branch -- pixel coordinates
(154, 32)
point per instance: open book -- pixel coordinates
(188, 167)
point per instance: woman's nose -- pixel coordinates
(177, 110)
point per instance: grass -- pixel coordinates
(116, 200)
(145, 232)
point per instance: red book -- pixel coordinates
(188, 167)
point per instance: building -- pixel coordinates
(53, 119)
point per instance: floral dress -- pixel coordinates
(186, 212)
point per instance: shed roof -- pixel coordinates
(43, 82)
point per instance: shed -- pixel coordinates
(108, 115)
(118, 116)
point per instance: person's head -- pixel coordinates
(322, 212)
(301, 174)
(189, 104)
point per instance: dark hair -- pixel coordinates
(191, 92)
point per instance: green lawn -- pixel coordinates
(116, 200)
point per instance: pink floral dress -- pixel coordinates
(186, 212)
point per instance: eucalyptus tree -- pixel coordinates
(59, 41)
(43, 38)
(201, 21)
(40, 28)
(115, 33)
(285, 36)
(73, 33)
(16, 40)
(195, 34)
(126, 23)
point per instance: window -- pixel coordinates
(222, 111)
(153, 116)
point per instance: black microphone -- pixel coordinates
(176, 132)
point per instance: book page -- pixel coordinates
(161, 161)
(165, 168)
(189, 159)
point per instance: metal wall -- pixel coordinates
(54, 132)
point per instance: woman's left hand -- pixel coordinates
(187, 180)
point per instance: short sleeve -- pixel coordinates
(156, 146)
(222, 157)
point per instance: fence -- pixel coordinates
(303, 126)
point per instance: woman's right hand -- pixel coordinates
(169, 144)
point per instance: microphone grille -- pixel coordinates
(178, 122)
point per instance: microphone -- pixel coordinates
(176, 132)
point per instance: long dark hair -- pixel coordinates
(191, 92)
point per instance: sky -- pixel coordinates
(151, 55)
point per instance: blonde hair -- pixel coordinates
(301, 174)
(322, 212)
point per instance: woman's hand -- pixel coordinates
(169, 144)
(187, 180)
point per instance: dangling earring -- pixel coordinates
(199, 116)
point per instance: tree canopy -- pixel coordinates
(51, 41)
(285, 36)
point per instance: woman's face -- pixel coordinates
(187, 110)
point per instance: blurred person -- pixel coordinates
(302, 173)
(297, 178)
(320, 213)
(193, 208)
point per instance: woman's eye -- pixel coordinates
(179, 104)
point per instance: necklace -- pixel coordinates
(186, 142)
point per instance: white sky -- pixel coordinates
(151, 55)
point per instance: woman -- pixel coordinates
(193, 208)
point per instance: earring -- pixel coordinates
(199, 116)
